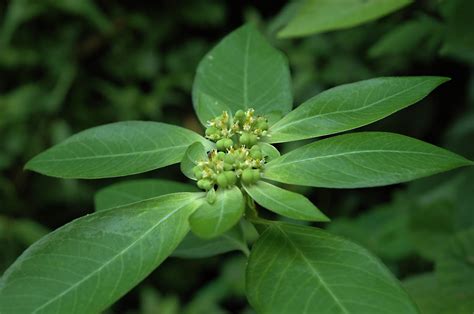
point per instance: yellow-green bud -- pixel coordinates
(245, 139)
(220, 144)
(228, 143)
(205, 184)
(211, 131)
(222, 180)
(239, 115)
(197, 172)
(256, 154)
(255, 175)
(247, 176)
(220, 155)
(253, 139)
(231, 177)
(211, 196)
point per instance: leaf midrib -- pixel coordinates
(351, 153)
(119, 254)
(283, 126)
(314, 270)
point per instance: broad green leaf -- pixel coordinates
(195, 153)
(283, 202)
(269, 151)
(211, 220)
(455, 270)
(361, 160)
(243, 71)
(89, 263)
(300, 269)
(115, 150)
(195, 247)
(351, 106)
(316, 16)
(128, 192)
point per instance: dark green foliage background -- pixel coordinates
(69, 65)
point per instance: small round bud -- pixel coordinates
(204, 184)
(229, 159)
(253, 139)
(240, 115)
(220, 144)
(256, 154)
(222, 180)
(211, 196)
(247, 176)
(228, 143)
(228, 166)
(197, 172)
(262, 125)
(231, 177)
(245, 139)
(255, 175)
(211, 131)
(220, 155)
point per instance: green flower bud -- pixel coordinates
(262, 125)
(247, 176)
(228, 143)
(220, 144)
(256, 154)
(239, 115)
(245, 139)
(228, 166)
(222, 180)
(221, 155)
(253, 139)
(255, 175)
(229, 159)
(197, 172)
(211, 131)
(231, 177)
(211, 196)
(205, 184)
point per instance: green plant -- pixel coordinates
(242, 95)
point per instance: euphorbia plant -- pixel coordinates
(242, 95)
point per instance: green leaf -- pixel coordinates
(298, 269)
(455, 270)
(351, 106)
(317, 16)
(283, 202)
(195, 153)
(195, 247)
(89, 263)
(361, 160)
(269, 151)
(128, 192)
(243, 71)
(115, 150)
(211, 220)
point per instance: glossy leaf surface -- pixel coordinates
(362, 160)
(350, 106)
(243, 71)
(284, 202)
(86, 265)
(116, 149)
(299, 269)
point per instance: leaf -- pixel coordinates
(361, 160)
(351, 106)
(317, 16)
(455, 270)
(128, 192)
(269, 151)
(195, 247)
(298, 269)
(115, 150)
(283, 202)
(195, 153)
(89, 263)
(243, 71)
(211, 220)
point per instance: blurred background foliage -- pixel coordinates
(67, 65)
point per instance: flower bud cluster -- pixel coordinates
(237, 157)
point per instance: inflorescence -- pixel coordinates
(237, 157)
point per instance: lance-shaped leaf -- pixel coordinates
(269, 151)
(284, 202)
(299, 269)
(116, 149)
(211, 220)
(89, 263)
(128, 192)
(316, 16)
(243, 71)
(361, 160)
(351, 106)
(194, 154)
